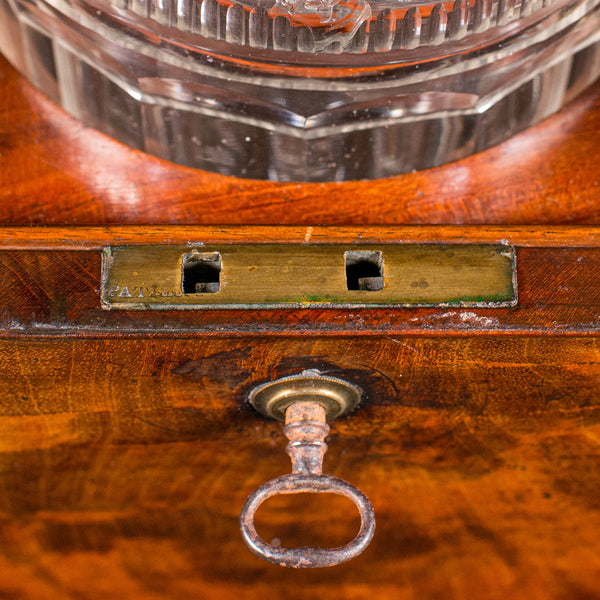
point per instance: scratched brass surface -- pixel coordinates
(294, 275)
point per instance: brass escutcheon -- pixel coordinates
(339, 397)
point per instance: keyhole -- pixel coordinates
(364, 271)
(201, 273)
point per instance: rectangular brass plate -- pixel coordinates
(307, 276)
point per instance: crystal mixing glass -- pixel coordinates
(306, 90)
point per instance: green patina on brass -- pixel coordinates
(306, 276)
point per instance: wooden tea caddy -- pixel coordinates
(127, 447)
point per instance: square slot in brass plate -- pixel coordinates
(302, 276)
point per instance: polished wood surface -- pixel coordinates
(126, 445)
(55, 171)
(56, 275)
(124, 469)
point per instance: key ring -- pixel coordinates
(307, 556)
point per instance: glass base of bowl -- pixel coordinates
(294, 116)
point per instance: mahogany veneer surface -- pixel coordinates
(55, 171)
(126, 447)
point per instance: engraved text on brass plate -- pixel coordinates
(139, 277)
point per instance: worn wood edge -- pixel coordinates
(96, 238)
(78, 333)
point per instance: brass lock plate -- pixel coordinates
(138, 277)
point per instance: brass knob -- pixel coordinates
(305, 401)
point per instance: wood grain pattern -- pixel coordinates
(57, 292)
(125, 476)
(55, 171)
(127, 448)
(96, 238)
